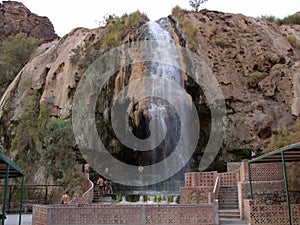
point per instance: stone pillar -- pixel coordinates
(296, 93)
(244, 173)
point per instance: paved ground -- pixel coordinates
(13, 219)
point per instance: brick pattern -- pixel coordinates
(125, 214)
(196, 179)
(229, 178)
(259, 213)
(262, 171)
(40, 217)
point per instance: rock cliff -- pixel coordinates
(256, 63)
(257, 66)
(16, 18)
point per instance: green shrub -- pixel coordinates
(289, 20)
(254, 77)
(244, 80)
(84, 55)
(271, 19)
(189, 31)
(117, 28)
(293, 41)
(185, 25)
(14, 54)
(178, 12)
(221, 41)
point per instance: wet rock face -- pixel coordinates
(16, 18)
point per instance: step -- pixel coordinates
(229, 206)
(228, 197)
(103, 200)
(232, 222)
(229, 214)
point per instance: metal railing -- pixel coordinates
(33, 194)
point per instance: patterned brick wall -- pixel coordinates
(262, 171)
(259, 213)
(196, 179)
(40, 217)
(229, 178)
(93, 214)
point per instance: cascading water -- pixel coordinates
(165, 47)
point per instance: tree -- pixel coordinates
(195, 4)
(14, 54)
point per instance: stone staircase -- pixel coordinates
(229, 213)
(107, 199)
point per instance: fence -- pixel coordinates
(33, 194)
(92, 214)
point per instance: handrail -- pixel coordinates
(216, 184)
(214, 195)
(90, 189)
(82, 199)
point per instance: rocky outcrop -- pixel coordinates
(16, 18)
(257, 66)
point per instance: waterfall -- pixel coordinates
(165, 47)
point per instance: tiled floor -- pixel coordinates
(13, 219)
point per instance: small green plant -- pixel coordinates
(221, 41)
(85, 55)
(244, 80)
(293, 41)
(255, 77)
(189, 31)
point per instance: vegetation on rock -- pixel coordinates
(14, 54)
(289, 20)
(188, 30)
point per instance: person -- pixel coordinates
(101, 186)
(65, 198)
(108, 187)
(106, 172)
(87, 169)
(253, 154)
(141, 168)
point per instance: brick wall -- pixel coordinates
(261, 171)
(259, 213)
(229, 178)
(196, 179)
(40, 217)
(125, 214)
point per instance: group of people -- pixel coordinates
(104, 186)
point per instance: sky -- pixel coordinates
(66, 15)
